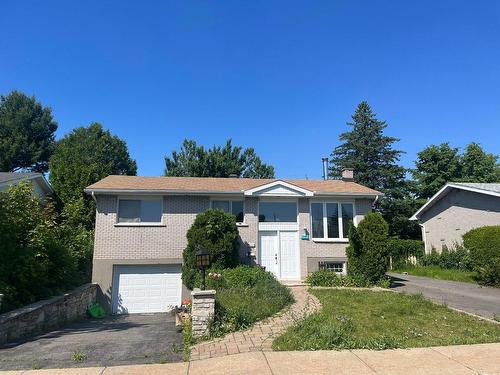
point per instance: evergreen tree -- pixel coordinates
(371, 154)
(196, 161)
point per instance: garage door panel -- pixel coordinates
(146, 289)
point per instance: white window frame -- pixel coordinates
(325, 237)
(142, 223)
(343, 263)
(278, 200)
(231, 200)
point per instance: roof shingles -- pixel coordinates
(222, 185)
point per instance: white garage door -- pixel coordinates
(146, 288)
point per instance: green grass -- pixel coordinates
(383, 320)
(439, 273)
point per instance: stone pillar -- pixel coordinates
(202, 310)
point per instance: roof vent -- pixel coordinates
(348, 174)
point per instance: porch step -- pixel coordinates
(291, 283)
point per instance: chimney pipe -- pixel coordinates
(325, 168)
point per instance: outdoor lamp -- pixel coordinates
(202, 262)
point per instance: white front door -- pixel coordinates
(289, 255)
(279, 253)
(269, 251)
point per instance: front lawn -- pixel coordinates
(382, 320)
(439, 273)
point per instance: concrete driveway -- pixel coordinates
(475, 299)
(118, 340)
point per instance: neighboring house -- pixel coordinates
(291, 227)
(41, 187)
(456, 209)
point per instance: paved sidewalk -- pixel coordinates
(260, 337)
(451, 360)
(472, 298)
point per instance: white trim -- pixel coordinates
(424, 238)
(161, 192)
(140, 223)
(256, 190)
(341, 239)
(444, 190)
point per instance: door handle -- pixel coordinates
(276, 258)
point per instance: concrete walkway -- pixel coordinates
(456, 360)
(260, 337)
(472, 298)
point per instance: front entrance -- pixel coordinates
(279, 253)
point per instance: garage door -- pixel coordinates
(146, 288)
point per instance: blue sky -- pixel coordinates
(280, 76)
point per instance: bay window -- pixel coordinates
(229, 206)
(330, 220)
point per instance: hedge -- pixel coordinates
(483, 245)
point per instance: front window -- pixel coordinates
(330, 220)
(278, 212)
(140, 210)
(233, 207)
(337, 267)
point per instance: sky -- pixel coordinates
(283, 77)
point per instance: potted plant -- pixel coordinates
(183, 313)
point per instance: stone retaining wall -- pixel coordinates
(47, 315)
(202, 311)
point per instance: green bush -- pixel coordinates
(367, 252)
(216, 231)
(244, 296)
(331, 279)
(34, 261)
(400, 250)
(456, 258)
(484, 247)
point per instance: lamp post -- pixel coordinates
(202, 262)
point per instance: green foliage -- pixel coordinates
(400, 250)
(436, 272)
(484, 247)
(438, 164)
(457, 258)
(367, 253)
(35, 262)
(355, 319)
(26, 133)
(216, 231)
(244, 296)
(187, 339)
(331, 279)
(84, 156)
(196, 161)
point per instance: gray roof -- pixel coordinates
(13, 176)
(494, 187)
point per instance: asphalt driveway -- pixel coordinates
(475, 299)
(118, 340)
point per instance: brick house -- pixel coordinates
(291, 227)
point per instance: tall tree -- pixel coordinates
(478, 165)
(26, 133)
(219, 161)
(371, 154)
(435, 165)
(83, 157)
(438, 164)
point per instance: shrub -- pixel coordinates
(331, 279)
(456, 258)
(484, 247)
(245, 295)
(216, 231)
(400, 250)
(367, 252)
(34, 264)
